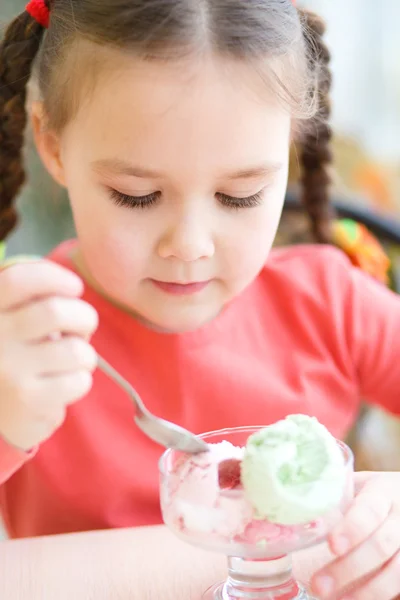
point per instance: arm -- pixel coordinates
(372, 317)
(362, 319)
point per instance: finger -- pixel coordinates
(62, 356)
(385, 585)
(366, 514)
(361, 478)
(22, 283)
(65, 388)
(367, 558)
(41, 319)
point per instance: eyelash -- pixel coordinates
(142, 202)
(237, 203)
(121, 199)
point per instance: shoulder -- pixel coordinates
(309, 290)
(308, 257)
(315, 270)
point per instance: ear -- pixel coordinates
(47, 143)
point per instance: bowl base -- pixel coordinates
(218, 592)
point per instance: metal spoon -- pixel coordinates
(163, 432)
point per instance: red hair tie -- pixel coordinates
(39, 11)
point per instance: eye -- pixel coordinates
(248, 202)
(121, 199)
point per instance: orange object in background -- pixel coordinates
(374, 183)
(363, 248)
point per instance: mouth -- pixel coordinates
(180, 289)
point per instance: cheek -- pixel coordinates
(251, 238)
(116, 266)
(112, 241)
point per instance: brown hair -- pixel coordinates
(316, 153)
(256, 30)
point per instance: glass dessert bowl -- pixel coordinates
(205, 505)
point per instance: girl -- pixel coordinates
(169, 122)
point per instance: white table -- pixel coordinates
(128, 564)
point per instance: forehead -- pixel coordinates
(194, 109)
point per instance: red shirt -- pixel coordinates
(311, 334)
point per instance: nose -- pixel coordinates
(188, 239)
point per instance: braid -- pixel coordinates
(18, 49)
(316, 153)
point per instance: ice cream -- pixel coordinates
(198, 500)
(267, 495)
(293, 471)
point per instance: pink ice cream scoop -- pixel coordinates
(206, 496)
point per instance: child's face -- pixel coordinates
(191, 140)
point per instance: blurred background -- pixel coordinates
(364, 41)
(363, 38)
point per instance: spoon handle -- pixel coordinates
(104, 366)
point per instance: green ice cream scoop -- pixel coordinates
(293, 471)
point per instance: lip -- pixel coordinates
(180, 289)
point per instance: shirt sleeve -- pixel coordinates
(11, 459)
(372, 320)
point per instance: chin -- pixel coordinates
(181, 323)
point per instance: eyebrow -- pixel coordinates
(256, 172)
(120, 167)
